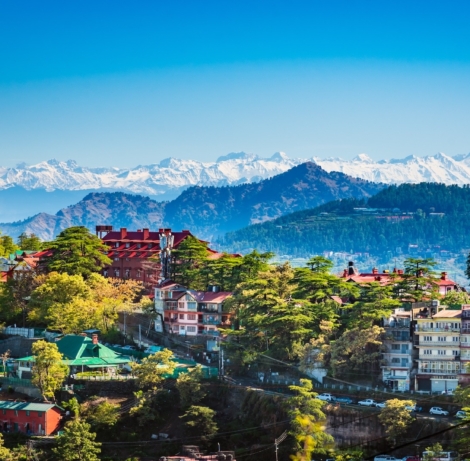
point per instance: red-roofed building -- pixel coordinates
(142, 255)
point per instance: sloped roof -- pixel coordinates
(447, 314)
(211, 296)
(29, 406)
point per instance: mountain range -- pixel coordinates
(47, 186)
(208, 211)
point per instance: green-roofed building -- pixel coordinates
(80, 353)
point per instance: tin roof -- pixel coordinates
(29, 406)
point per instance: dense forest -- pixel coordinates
(432, 216)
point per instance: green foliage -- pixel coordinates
(434, 451)
(77, 252)
(5, 453)
(7, 245)
(375, 303)
(356, 350)
(307, 421)
(418, 281)
(189, 387)
(29, 242)
(100, 414)
(77, 443)
(342, 229)
(187, 261)
(153, 369)
(200, 421)
(396, 418)
(48, 372)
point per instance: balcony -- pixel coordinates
(395, 325)
(421, 329)
(438, 343)
(211, 321)
(433, 371)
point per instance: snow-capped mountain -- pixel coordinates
(436, 168)
(169, 174)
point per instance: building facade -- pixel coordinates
(189, 312)
(439, 348)
(397, 364)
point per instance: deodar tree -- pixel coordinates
(76, 251)
(77, 443)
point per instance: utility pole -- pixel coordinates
(280, 439)
(140, 335)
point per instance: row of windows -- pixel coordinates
(40, 413)
(441, 339)
(440, 352)
(128, 245)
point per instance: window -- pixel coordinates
(116, 245)
(181, 327)
(128, 273)
(455, 352)
(180, 305)
(4, 412)
(441, 352)
(116, 259)
(128, 245)
(40, 414)
(189, 298)
(441, 338)
(427, 351)
(455, 339)
(192, 329)
(27, 412)
(395, 347)
(395, 360)
(105, 273)
(191, 316)
(192, 306)
(181, 316)
(139, 245)
(139, 273)
(116, 273)
(149, 246)
(427, 338)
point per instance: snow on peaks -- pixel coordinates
(362, 158)
(237, 156)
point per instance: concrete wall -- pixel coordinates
(18, 346)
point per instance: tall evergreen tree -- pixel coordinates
(76, 251)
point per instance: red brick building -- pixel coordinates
(30, 418)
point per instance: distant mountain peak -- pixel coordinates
(237, 156)
(362, 158)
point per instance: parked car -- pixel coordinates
(386, 458)
(411, 458)
(461, 414)
(438, 411)
(442, 456)
(367, 402)
(326, 397)
(381, 404)
(347, 400)
(414, 407)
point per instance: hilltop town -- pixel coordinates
(148, 344)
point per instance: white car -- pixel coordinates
(326, 397)
(368, 403)
(438, 411)
(381, 404)
(385, 458)
(461, 414)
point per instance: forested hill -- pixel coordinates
(207, 211)
(431, 216)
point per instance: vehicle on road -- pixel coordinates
(347, 400)
(381, 404)
(368, 403)
(442, 456)
(386, 458)
(326, 397)
(411, 458)
(461, 414)
(438, 411)
(414, 407)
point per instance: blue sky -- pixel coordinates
(126, 83)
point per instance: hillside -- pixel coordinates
(432, 218)
(207, 211)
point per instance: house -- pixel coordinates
(80, 353)
(189, 312)
(397, 365)
(142, 255)
(439, 350)
(30, 418)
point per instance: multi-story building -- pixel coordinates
(439, 350)
(397, 362)
(189, 312)
(465, 344)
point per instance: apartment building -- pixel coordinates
(188, 312)
(439, 349)
(398, 354)
(465, 344)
